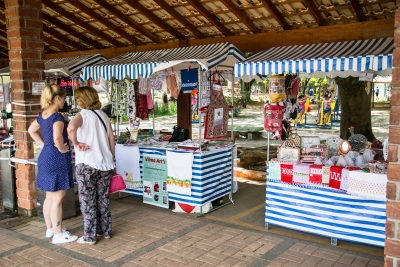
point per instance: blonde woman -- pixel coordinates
(91, 133)
(54, 164)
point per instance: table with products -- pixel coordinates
(212, 172)
(325, 211)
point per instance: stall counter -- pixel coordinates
(212, 173)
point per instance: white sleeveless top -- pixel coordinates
(93, 134)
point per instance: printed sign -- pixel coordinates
(37, 87)
(155, 174)
(189, 79)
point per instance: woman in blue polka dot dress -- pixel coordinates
(54, 164)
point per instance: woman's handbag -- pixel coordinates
(117, 184)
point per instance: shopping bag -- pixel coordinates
(117, 183)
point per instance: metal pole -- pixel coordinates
(233, 104)
(198, 104)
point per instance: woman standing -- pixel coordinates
(54, 164)
(91, 134)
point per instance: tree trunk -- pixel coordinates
(355, 107)
(247, 89)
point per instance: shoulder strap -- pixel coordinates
(102, 122)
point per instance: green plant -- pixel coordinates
(167, 110)
(237, 104)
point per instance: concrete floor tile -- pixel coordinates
(360, 261)
(310, 262)
(325, 263)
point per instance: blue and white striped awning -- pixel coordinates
(348, 57)
(137, 64)
(69, 66)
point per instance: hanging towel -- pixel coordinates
(127, 159)
(316, 174)
(367, 185)
(301, 173)
(179, 172)
(274, 170)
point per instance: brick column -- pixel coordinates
(26, 54)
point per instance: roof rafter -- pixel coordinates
(175, 14)
(240, 14)
(61, 37)
(59, 24)
(315, 12)
(126, 19)
(56, 44)
(210, 17)
(82, 23)
(357, 8)
(159, 22)
(276, 14)
(103, 20)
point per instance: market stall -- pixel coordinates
(309, 186)
(134, 75)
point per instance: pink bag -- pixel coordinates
(273, 115)
(117, 183)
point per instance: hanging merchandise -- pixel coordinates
(119, 98)
(172, 87)
(101, 85)
(205, 91)
(133, 123)
(216, 121)
(277, 89)
(141, 106)
(142, 84)
(5, 93)
(273, 115)
(189, 79)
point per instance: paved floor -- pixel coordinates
(144, 235)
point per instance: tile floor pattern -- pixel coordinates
(147, 236)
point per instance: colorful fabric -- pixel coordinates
(274, 170)
(217, 117)
(93, 186)
(335, 176)
(287, 173)
(301, 173)
(367, 185)
(273, 115)
(325, 174)
(316, 174)
(143, 86)
(344, 184)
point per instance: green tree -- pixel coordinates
(355, 107)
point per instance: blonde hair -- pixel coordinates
(87, 98)
(48, 94)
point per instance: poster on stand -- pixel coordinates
(127, 159)
(155, 173)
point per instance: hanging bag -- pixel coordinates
(117, 183)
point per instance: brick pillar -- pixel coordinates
(26, 54)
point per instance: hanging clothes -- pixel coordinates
(141, 106)
(150, 104)
(142, 85)
(217, 117)
(172, 87)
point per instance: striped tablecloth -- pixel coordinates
(322, 211)
(212, 175)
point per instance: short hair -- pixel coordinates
(48, 94)
(87, 98)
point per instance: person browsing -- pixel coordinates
(91, 134)
(54, 175)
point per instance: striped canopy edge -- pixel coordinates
(135, 64)
(356, 55)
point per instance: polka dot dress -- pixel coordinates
(54, 168)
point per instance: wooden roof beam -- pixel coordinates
(240, 14)
(4, 51)
(59, 24)
(276, 14)
(315, 12)
(82, 23)
(159, 22)
(103, 20)
(131, 22)
(175, 14)
(357, 8)
(76, 44)
(56, 44)
(210, 17)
